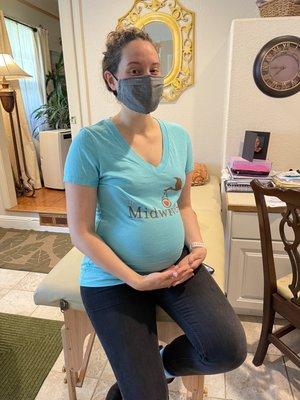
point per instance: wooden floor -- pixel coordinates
(45, 200)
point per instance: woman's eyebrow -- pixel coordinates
(139, 63)
(133, 62)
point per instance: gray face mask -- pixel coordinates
(141, 94)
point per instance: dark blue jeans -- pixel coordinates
(125, 322)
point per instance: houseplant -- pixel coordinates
(55, 113)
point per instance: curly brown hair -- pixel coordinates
(115, 42)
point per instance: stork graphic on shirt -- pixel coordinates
(166, 202)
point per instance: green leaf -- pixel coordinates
(56, 112)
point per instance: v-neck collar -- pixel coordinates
(134, 154)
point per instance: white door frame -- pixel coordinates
(70, 13)
(72, 34)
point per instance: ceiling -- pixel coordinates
(50, 6)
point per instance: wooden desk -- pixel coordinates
(245, 202)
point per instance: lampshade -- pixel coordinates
(10, 69)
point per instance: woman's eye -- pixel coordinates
(154, 71)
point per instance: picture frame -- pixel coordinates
(256, 145)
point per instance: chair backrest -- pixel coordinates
(291, 217)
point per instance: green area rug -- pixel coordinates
(28, 349)
(34, 251)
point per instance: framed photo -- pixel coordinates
(255, 145)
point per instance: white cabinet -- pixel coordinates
(244, 260)
(54, 147)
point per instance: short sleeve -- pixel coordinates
(190, 159)
(82, 164)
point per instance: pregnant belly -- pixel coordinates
(145, 246)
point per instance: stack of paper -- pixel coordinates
(241, 183)
(290, 179)
(272, 201)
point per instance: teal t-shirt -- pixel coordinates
(137, 214)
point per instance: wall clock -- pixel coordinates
(276, 68)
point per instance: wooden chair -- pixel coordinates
(280, 295)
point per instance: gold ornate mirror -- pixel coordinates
(171, 27)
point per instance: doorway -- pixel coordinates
(26, 17)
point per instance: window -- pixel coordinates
(23, 47)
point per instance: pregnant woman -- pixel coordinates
(128, 181)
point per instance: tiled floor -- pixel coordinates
(276, 379)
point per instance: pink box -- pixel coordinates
(239, 165)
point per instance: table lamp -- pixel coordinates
(9, 71)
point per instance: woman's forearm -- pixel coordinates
(191, 226)
(101, 254)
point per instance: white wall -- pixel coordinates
(200, 108)
(250, 109)
(28, 15)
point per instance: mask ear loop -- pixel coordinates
(114, 91)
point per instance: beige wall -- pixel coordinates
(200, 108)
(250, 109)
(28, 15)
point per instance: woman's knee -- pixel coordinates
(224, 352)
(232, 351)
(224, 360)
(234, 344)
(235, 358)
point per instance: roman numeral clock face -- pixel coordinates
(276, 69)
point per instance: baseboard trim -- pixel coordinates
(18, 222)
